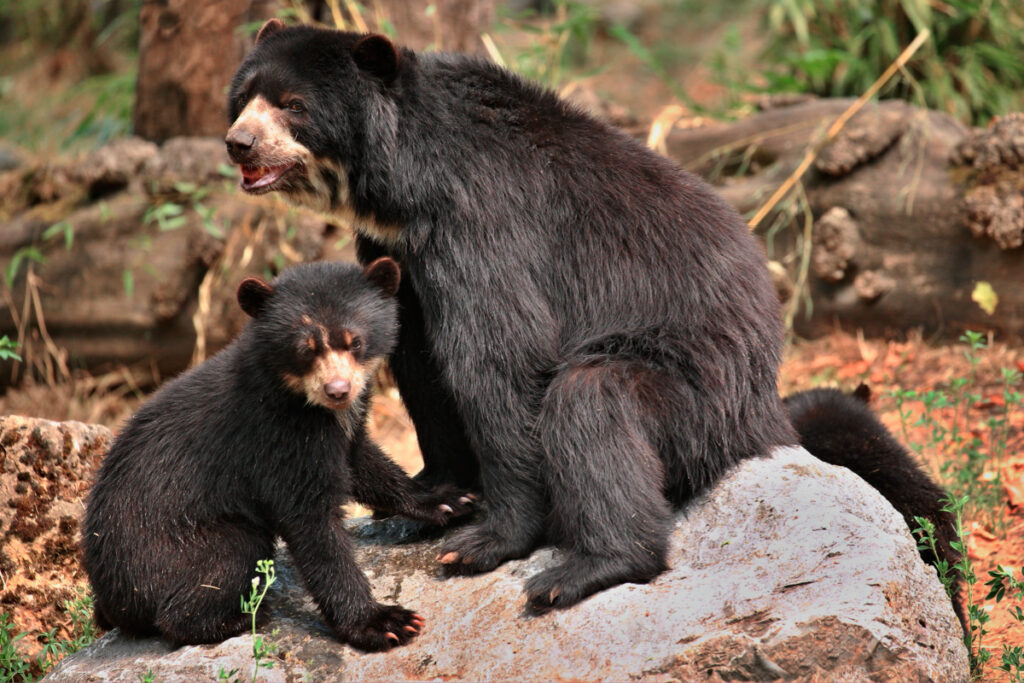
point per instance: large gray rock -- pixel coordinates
(789, 569)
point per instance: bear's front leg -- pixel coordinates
(382, 485)
(447, 456)
(323, 554)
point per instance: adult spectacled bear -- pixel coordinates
(588, 332)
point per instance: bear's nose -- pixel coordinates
(239, 142)
(337, 389)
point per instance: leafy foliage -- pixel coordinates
(971, 474)
(973, 67)
(558, 45)
(17, 668)
(9, 349)
(968, 459)
(57, 22)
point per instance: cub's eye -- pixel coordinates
(296, 106)
(306, 348)
(356, 346)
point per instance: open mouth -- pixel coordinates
(260, 178)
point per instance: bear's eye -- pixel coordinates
(296, 106)
(356, 346)
(306, 348)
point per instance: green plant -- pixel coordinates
(16, 667)
(62, 228)
(560, 44)
(977, 617)
(109, 114)
(83, 626)
(32, 253)
(81, 116)
(925, 535)
(56, 22)
(968, 460)
(22, 255)
(9, 349)
(13, 666)
(972, 67)
(262, 648)
(1003, 584)
(148, 677)
(169, 214)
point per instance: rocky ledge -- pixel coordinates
(789, 569)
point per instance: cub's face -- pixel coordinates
(329, 363)
(324, 328)
(300, 103)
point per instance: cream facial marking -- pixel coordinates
(270, 158)
(260, 142)
(335, 381)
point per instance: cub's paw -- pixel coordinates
(478, 549)
(389, 626)
(443, 504)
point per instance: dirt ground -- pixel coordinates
(842, 360)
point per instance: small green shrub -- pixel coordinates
(58, 22)
(1002, 583)
(973, 66)
(559, 45)
(966, 470)
(13, 666)
(16, 668)
(9, 349)
(262, 648)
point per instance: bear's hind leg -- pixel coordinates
(606, 482)
(205, 608)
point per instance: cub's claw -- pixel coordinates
(441, 505)
(389, 626)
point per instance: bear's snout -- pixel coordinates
(337, 389)
(240, 144)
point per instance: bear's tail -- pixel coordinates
(840, 429)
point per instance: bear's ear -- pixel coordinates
(377, 55)
(253, 294)
(863, 393)
(384, 273)
(271, 26)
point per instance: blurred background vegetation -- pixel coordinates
(68, 68)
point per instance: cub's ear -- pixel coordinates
(385, 274)
(862, 392)
(253, 294)
(377, 55)
(271, 26)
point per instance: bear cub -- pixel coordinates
(266, 439)
(841, 429)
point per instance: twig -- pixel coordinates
(805, 260)
(492, 49)
(32, 283)
(837, 125)
(662, 125)
(357, 16)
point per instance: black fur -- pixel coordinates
(840, 429)
(231, 454)
(587, 329)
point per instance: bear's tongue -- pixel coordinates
(261, 176)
